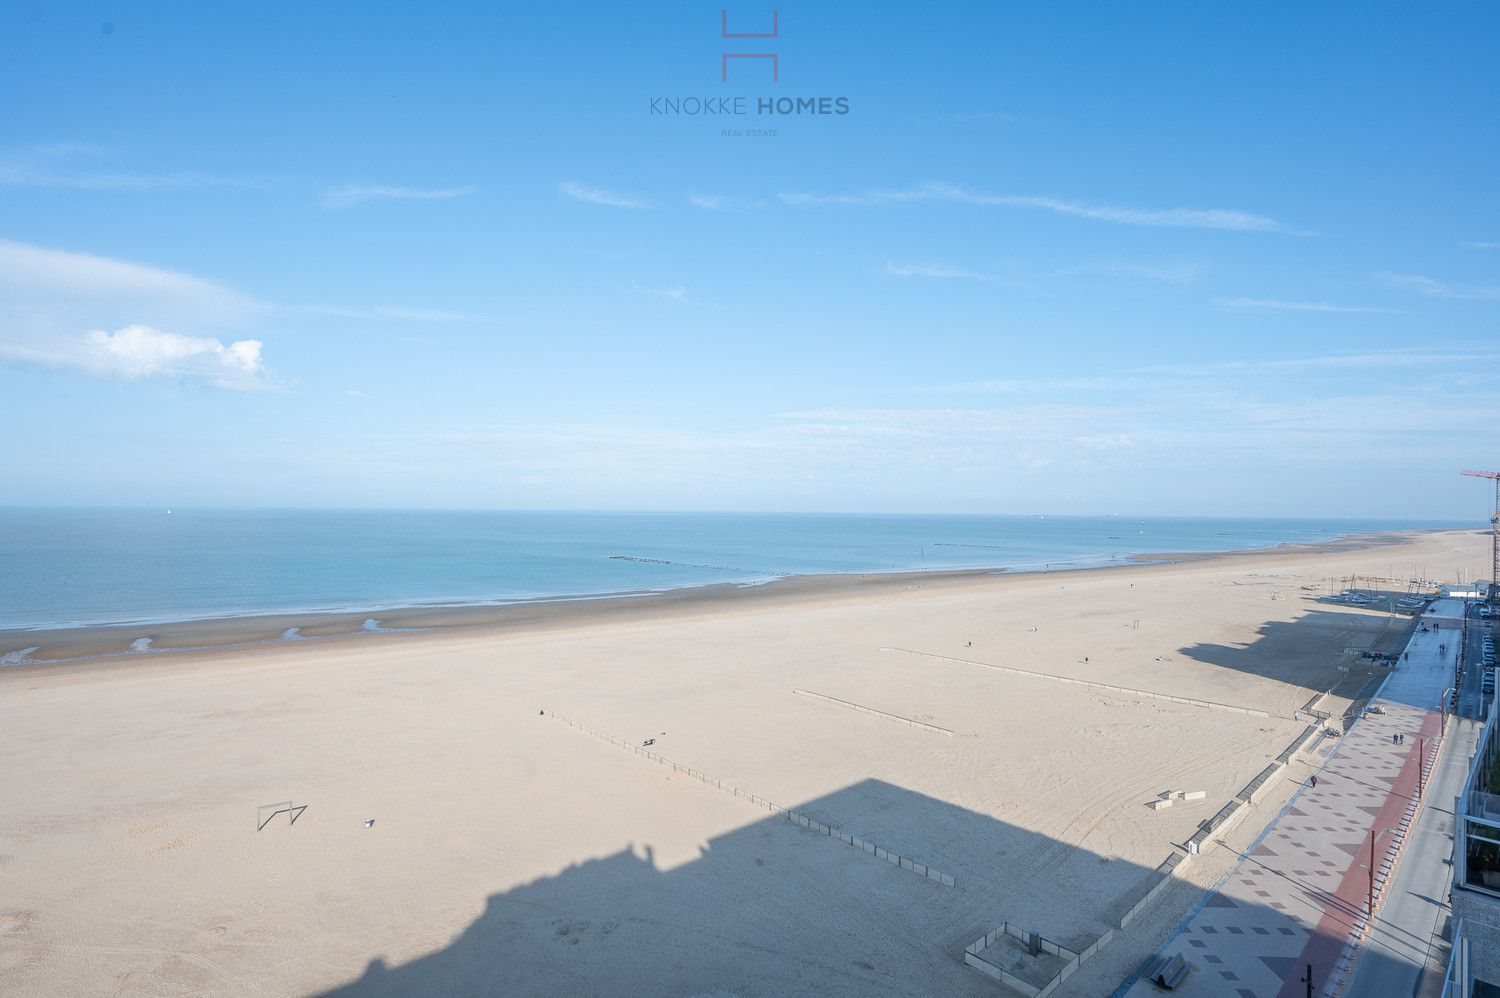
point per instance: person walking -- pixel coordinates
(1313, 779)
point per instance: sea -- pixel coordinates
(77, 567)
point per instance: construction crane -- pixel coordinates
(1494, 594)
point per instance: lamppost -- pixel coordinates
(1370, 898)
(1421, 766)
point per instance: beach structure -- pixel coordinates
(1494, 594)
(1476, 873)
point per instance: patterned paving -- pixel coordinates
(1299, 896)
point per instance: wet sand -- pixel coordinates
(119, 642)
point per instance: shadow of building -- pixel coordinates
(772, 909)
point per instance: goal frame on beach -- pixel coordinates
(266, 812)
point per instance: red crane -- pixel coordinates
(1494, 534)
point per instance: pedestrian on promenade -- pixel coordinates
(1395, 739)
(1313, 779)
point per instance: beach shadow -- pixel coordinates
(771, 908)
(1336, 637)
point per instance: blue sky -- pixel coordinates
(1069, 258)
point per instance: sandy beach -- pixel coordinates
(513, 852)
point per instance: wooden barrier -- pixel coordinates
(800, 820)
(848, 705)
(1151, 694)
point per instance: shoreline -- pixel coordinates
(441, 791)
(25, 650)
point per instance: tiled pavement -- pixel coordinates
(1299, 896)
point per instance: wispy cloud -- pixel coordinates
(1006, 386)
(1437, 289)
(50, 279)
(1481, 245)
(80, 166)
(723, 202)
(353, 194)
(1389, 359)
(979, 117)
(672, 292)
(137, 352)
(1159, 273)
(676, 293)
(1186, 218)
(1277, 305)
(600, 196)
(941, 271)
(1168, 379)
(392, 313)
(81, 290)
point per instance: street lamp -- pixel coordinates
(1370, 898)
(1421, 766)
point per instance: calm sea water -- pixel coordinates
(71, 567)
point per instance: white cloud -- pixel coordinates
(1186, 218)
(49, 298)
(1437, 289)
(1273, 304)
(138, 352)
(600, 196)
(1481, 245)
(350, 195)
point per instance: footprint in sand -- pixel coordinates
(16, 923)
(173, 844)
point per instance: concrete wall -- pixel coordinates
(1161, 878)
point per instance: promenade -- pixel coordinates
(1299, 896)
